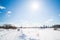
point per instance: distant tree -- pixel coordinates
(0, 26)
(8, 26)
(56, 26)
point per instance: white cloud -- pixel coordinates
(8, 13)
(2, 7)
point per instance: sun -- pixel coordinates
(35, 6)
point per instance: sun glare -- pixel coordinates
(35, 6)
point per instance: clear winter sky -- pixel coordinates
(30, 12)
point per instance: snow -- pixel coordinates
(30, 34)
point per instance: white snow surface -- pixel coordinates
(29, 34)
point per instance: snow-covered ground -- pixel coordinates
(30, 34)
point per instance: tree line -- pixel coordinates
(9, 26)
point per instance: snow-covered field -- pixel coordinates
(30, 34)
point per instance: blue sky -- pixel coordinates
(30, 12)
